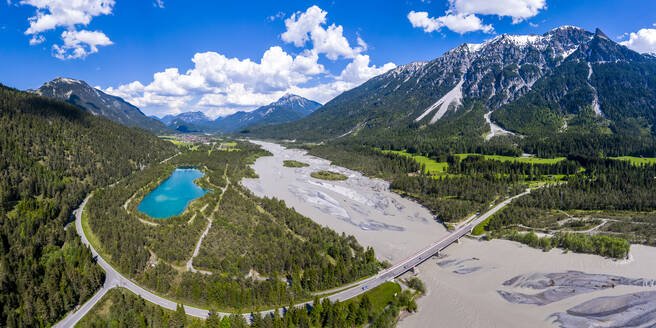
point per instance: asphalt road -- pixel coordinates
(114, 279)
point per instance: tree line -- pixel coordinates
(576, 242)
(128, 310)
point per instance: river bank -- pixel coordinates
(360, 206)
(494, 283)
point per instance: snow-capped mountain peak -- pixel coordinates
(289, 99)
(66, 80)
(497, 72)
(473, 47)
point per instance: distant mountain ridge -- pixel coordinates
(187, 117)
(286, 109)
(97, 102)
(532, 84)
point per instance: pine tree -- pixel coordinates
(179, 317)
(213, 320)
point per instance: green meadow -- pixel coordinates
(637, 160)
(432, 167)
(533, 160)
(439, 168)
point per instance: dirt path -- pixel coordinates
(190, 265)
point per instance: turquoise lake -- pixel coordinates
(173, 195)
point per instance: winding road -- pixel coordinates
(115, 279)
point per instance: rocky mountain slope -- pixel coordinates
(94, 101)
(532, 84)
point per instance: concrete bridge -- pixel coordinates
(422, 255)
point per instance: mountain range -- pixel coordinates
(286, 109)
(567, 83)
(96, 102)
(567, 80)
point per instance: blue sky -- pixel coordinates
(173, 56)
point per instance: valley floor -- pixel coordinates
(466, 284)
(360, 206)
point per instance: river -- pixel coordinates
(473, 283)
(360, 206)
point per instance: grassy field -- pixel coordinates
(533, 160)
(379, 296)
(637, 160)
(289, 163)
(432, 167)
(180, 143)
(481, 227)
(439, 168)
(328, 175)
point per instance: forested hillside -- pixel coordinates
(51, 155)
(260, 253)
(95, 101)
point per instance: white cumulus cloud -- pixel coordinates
(219, 85)
(79, 44)
(217, 81)
(308, 26)
(519, 10)
(643, 41)
(299, 25)
(37, 39)
(359, 71)
(462, 15)
(51, 14)
(458, 23)
(278, 15)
